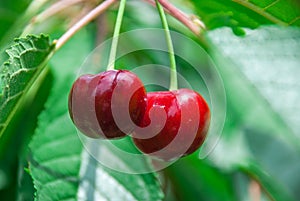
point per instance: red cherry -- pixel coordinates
(185, 127)
(107, 105)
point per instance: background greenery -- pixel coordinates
(256, 47)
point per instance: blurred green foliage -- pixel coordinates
(260, 142)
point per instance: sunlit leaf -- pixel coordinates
(260, 73)
(244, 13)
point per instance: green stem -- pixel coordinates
(173, 71)
(113, 50)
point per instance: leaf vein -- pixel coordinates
(10, 98)
(57, 158)
(294, 20)
(271, 4)
(51, 143)
(260, 11)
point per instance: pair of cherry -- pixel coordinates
(114, 103)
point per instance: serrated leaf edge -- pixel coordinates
(29, 84)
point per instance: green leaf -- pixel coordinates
(9, 12)
(261, 73)
(55, 160)
(14, 147)
(273, 188)
(100, 182)
(196, 180)
(15, 17)
(27, 59)
(61, 167)
(233, 153)
(247, 13)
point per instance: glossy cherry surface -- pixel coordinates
(107, 105)
(185, 128)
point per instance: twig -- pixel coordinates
(84, 21)
(254, 191)
(193, 23)
(52, 10)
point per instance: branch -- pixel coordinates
(84, 21)
(193, 23)
(52, 10)
(254, 191)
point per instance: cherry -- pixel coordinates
(107, 105)
(185, 127)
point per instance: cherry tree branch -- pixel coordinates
(52, 10)
(193, 23)
(84, 21)
(254, 191)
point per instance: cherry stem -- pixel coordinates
(191, 22)
(115, 39)
(84, 21)
(173, 71)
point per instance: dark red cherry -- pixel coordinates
(107, 105)
(183, 129)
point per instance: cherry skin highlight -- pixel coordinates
(107, 105)
(186, 126)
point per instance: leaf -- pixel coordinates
(233, 153)
(14, 147)
(27, 58)
(15, 17)
(55, 161)
(9, 12)
(260, 73)
(273, 188)
(195, 179)
(247, 13)
(101, 183)
(62, 169)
